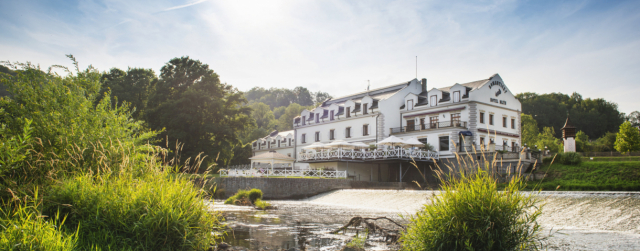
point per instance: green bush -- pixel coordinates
(255, 194)
(262, 204)
(471, 214)
(24, 228)
(571, 158)
(157, 211)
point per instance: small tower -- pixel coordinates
(569, 136)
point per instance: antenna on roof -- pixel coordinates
(368, 84)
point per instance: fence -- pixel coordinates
(282, 173)
(369, 155)
(609, 154)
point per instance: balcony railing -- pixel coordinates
(282, 173)
(429, 126)
(367, 155)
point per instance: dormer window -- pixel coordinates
(364, 109)
(434, 100)
(331, 118)
(456, 96)
(317, 118)
(304, 120)
(409, 104)
(348, 112)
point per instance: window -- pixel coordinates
(317, 118)
(317, 136)
(411, 125)
(422, 125)
(348, 112)
(490, 119)
(504, 122)
(347, 132)
(304, 120)
(364, 109)
(455, 119)
(505, 143)
(513, 123)
(410, 104)
(456, 96)
(278, 143)
(444, 143)
(304, 138)
(331, 118)
(289, 142)
(481, 140)
(332, 134)
(423, 141)
(365, 130)
(434, 100)
(433, 122)
(482, 117)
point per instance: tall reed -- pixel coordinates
(471, 213)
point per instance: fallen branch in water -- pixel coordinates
(390, 235)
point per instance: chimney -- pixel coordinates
(424, 85)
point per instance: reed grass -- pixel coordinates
(471, 213)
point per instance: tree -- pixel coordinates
(263, 116)
(134, 86)
(582, 142)
(628, 138)
(285, 122)
(547, 138)
(530, 129)
(279, 97)
(197, 110)
(319, 97)
(595, 117)
(634, 118)
(278, 111)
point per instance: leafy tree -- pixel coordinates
(263, 116)
(547, 138)
(582, 142)
(634, 118)
(319, 97)
(278, 97)
(285, 122)
(278, 111)
(530, 129)
(628, 138)
(134, 86)
(197, 110)
(604, 143)
(595, 117)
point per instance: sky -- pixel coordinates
(336, 46)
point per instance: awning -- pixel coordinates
(434, 112)
(465, 133)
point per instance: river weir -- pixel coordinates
(571, 220)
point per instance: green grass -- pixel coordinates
(601, 159)
(591, 176)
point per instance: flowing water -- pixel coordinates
(571, 220)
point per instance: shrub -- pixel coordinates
(157, 211)
(571, 158)
(471, 214)
(24, 228)
(262, 204)
(255, 194)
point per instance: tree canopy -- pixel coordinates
(595, 117)
(194, 108)
(134, 86)
(628, 138)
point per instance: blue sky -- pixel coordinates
(591, 47)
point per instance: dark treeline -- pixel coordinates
(595, 117)
(188, 104)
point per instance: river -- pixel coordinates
(571, 220)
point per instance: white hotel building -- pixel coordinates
(451, 119)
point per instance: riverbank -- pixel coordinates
(571, 220)
(590, 176)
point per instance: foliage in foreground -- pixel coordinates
(262, 204)
(24, 228)
(471, 214)
(627, 139)
(156, 211)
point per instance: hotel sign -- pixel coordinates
(501, 88)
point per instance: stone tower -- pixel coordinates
(569, 136)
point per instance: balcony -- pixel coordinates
(429, 126)
(367, 155)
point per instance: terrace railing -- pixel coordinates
(342, 154)
(429, 126)
(282, 173)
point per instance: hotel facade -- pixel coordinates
(483, 114)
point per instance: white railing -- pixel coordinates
(368, 155)
(282, 173)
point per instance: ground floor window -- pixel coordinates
(444, 143)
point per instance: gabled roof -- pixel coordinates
(568, 124)
(473, 85)
(378, 93)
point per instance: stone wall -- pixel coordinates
(297, 188)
